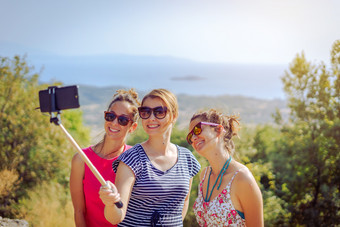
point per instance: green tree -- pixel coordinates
(34, 149)
(262, 150)
(308, 159)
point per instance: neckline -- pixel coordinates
(227, 187)
(219, 178)
(108, 159)
(161, 171)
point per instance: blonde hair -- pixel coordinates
(230, 123)
(167, 97)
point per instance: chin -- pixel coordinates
(198, 150)
(201, 150)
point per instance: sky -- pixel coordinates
(233, 31)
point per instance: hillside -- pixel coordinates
(94, 100)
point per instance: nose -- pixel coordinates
(194, 137)
(152, 116)
(115, 121)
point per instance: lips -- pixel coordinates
(113, 130)
(198, 143)
(153, 126)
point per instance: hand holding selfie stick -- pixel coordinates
(56, 120)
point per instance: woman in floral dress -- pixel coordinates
(228, 194)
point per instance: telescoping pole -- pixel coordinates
(88, 162)
(52, 107)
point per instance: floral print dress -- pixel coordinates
(218, 212)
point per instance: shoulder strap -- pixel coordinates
(206, 171)
(232, 179)
(201, 182)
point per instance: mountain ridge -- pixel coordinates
(94, 101)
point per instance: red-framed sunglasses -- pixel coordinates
(111, 116)
(198, 130)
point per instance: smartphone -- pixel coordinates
(54, 98)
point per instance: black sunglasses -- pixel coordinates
(159, 112)
(198, 130)
(111, 116)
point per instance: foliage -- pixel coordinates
(47, 204)
(34, 149)
(308, 148)
(262, 150)
(73, 122)
(8, 183)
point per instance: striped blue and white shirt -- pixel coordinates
(157, 197)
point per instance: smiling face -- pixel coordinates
(153, 125)
(113, 129)
(207, 139)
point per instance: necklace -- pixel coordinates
(107, 156)
(220, 175)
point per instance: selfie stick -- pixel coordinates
(57, 121)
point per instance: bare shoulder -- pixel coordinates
(77, 170)
(244, 180)
(77, 160)
(249, 196)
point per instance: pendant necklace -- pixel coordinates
(220, 175)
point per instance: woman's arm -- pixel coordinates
(186, 201)
(125, 180)
(76, 188)
(250, 197)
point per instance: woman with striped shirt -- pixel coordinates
(153, 178)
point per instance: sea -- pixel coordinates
(181, 76)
